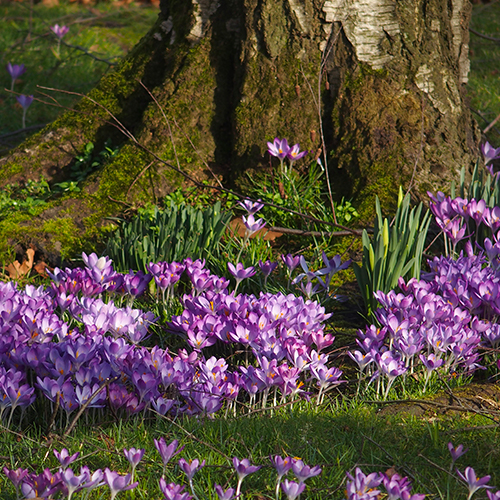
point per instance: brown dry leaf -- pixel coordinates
(50, 3)
(17, 270)
(41, 268)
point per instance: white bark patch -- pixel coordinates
(460, 49)
(203, 10)
(366, 23)
(300, 14)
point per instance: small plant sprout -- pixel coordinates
(243, 469)
(15, 71)
(25, 102)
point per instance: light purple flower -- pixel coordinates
(253, 225)
(64, 457)
(362, 487)
(59, 31)
(474, 483)
(224, 495)
(302, 471)
(252, 207)
(279, 148)
(167, 452)
(489, 152)
(118, 483)
(190, 467)
(295, 154)
(292, 489)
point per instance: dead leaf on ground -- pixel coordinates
(17, 270)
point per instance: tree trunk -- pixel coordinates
(376, 84)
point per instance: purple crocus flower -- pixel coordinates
(282, 466)
(134, 457)
(457, 452)
(474, 483)
(295, 153)
(493, 496)
(15, 71)
(65, 458)
(362, 487)
(224, 495)
(489, 153)
(302, 471)
(118, 483)
(252, 225)
(190, 467)
(59, 31)
(173, 491)
(267, 267)
(24, 100)
(292, 489)
(279, 148)
(167, 452)
(240, 272)
(252, 207)
(290, 261)
(243, 469)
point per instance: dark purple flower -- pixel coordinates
(134, 457)
(15, 70)
(457, 452)
(267, 267)
(243, 469)
(290, 261)
(240, 272)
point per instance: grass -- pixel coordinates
(484, 78)
(337, 436)
(341, 434)
(98, 36)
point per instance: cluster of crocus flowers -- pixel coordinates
(73, 338)
(280, 149)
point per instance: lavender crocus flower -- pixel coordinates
(240, 272)
(118, 483)
(278, 148)
(59, 31)
(252, 225)
(489, 153)
(243, 469)
(292, 489)
(252, 207)
(457, 452)
(65, 458)
(282, 466)
(473, 483)
(167, 452)
(134, 457)
(295, 153)
(25, 102)
(15, 71)
(362, 487)
(224, 495)
(302, 471)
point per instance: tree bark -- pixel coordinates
(377, 85)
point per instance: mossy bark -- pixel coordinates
(222, 79)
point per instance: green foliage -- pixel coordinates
(172, 234)
(396, 250)
(87, 161)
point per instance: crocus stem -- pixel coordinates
(24, 117)
(238, 488)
